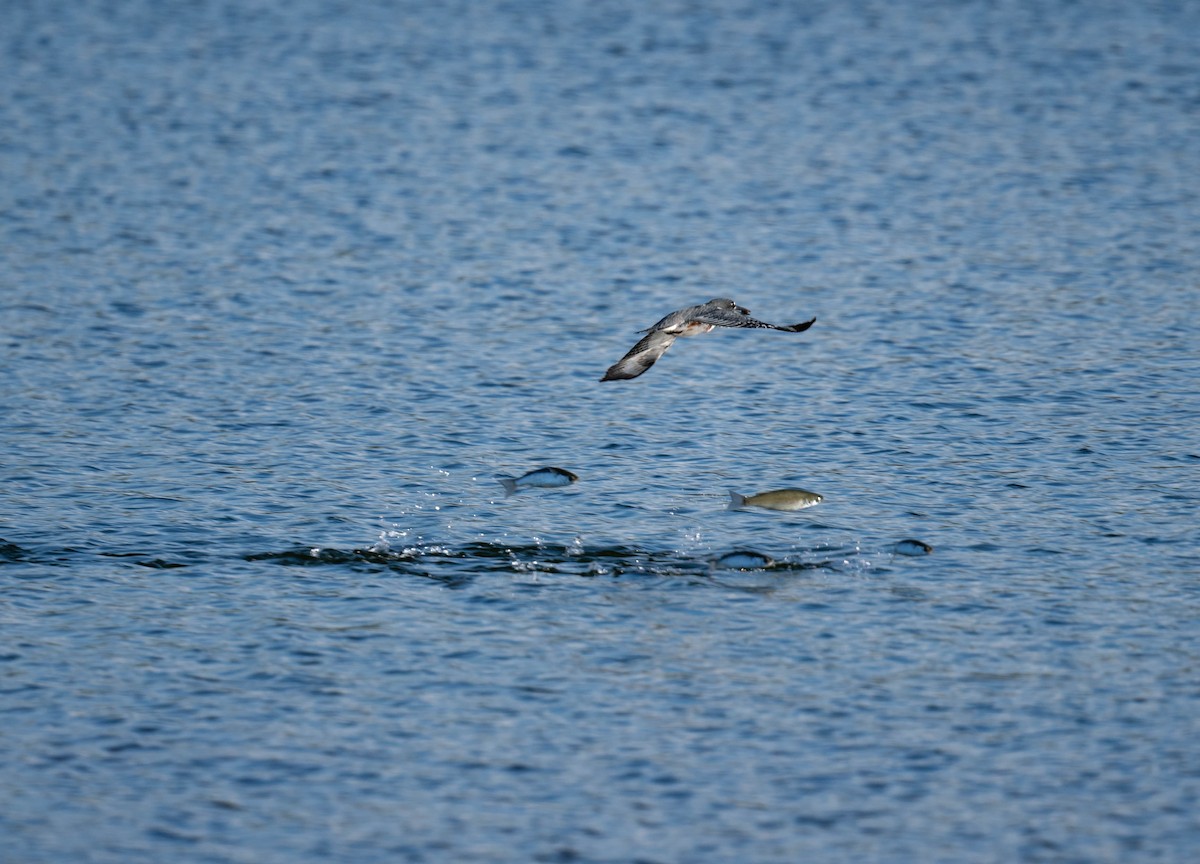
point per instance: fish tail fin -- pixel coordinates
(509, 484)
(736, 500)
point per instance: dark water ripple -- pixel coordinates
(284, 289)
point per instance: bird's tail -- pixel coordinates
(509, 484)
(736, 500)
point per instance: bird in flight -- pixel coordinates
(691, 321)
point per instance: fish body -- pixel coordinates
(744, 559)
(690, 321)
(778, 499)
(545, 478)
(912, 547)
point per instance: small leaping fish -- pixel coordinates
(548, 477)
(744, 559)
(691, 321)
(777, 499)
(912, 547)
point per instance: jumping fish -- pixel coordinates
(778, 499)
(548, 478)
(744, 559)
(691, 321)
(912, 547)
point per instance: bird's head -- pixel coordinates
(726, 303)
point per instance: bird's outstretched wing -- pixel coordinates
(640, 357)
(734, 318)
(796, 328)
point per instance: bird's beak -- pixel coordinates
(743, 310)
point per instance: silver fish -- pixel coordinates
(778, 499)
(548, 478)
(912, 547)
(744, 560)
(692, 321)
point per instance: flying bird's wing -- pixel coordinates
(734, 318)
(797, 328)
(640, 357)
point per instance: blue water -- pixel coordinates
(283, 287)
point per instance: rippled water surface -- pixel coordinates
(286, 286)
